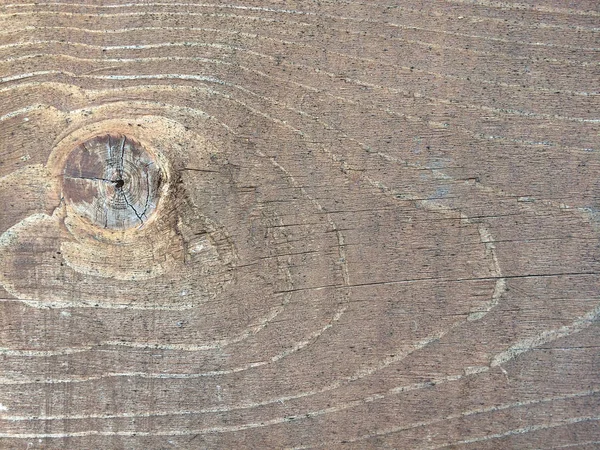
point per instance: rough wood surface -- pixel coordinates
(279, 224)
(112, 182)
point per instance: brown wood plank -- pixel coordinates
(273, 224)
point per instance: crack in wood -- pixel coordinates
(129, 172)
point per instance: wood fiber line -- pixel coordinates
(299, 225)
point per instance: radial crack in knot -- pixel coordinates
(112, 181)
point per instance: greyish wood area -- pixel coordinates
(279, 224)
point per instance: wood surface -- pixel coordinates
(279, 224)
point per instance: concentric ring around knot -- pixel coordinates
(112, 181)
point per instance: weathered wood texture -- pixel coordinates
(280, 224)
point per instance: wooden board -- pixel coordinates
(279, 224)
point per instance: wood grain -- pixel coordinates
(333, 224)
(112, 181)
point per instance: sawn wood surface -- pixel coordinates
(318, 224)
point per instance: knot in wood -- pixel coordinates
(112, 181)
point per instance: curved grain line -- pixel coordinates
(373, 397)
(262, 323)
(254, 36)
(400, 355)
(341, 30)
(408, 69)
(299, 44)
(520, 6)
(486, 410)
(427, 423)
(519, 348)
(525, 345)
(576, 444)
(347, 405)
(487, 3)
(436, 172)
(299, 345)
(178, 376)
(375, 22)
(479, 18)
(283, 11)
(122, 47)
(344, 55)
(396, 160)
(429, 123)
(21, 111)
(516, 431)
(388, 361)
(356, 81)
(486, 236)
(166, 76)
(360, 374)
(500, 358)
(177, 4)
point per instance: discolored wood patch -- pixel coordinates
(112, 181)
